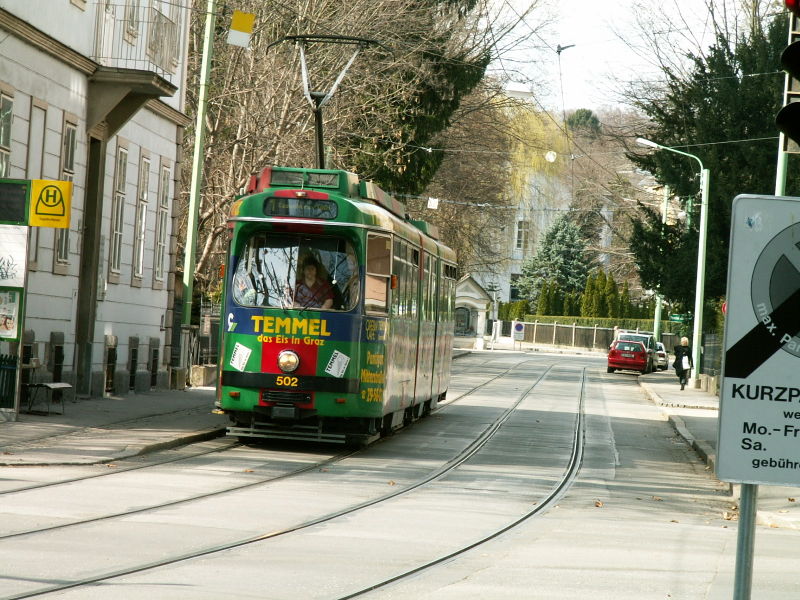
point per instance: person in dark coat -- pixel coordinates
(683, 361)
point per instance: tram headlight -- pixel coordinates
(288, 361)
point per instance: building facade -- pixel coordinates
(91, 91)
(546, 198)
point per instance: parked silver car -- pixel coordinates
(662, 356)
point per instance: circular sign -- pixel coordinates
(519, 327)
(776, 276)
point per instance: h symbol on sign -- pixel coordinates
(50, 202)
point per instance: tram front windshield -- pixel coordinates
(296, 271)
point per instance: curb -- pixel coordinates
(128, 452)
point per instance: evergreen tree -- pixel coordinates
(732, 92)
(587, 298)
(612, 297)
(584, 122)
(625, 301)
(561, 259)
(418, 119)
(556, 301)
(599, 304)
(543, 305)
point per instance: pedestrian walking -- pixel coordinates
(683, 361)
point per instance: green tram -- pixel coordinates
(337, 320)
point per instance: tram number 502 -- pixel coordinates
(286, 381)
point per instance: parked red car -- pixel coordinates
(631, 356)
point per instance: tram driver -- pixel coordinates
(311, 290)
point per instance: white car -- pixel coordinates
(662, 356)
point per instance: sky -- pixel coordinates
(597, 54)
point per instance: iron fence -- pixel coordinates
(134, 36)
(8, 380)
(711, 358)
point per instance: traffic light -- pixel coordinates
(788, 118)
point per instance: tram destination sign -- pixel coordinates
(759, 419)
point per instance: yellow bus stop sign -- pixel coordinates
(50, 203)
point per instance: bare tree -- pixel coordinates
(257, 114)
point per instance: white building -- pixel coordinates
(546, 198)
(92, 91)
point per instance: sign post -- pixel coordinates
(759, 419)
(518, 332)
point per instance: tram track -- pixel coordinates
(261, 481)
(231, 444)
(541, 506)
(449, 466)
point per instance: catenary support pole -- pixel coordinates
(699, 294)
(197, 163)
(780, 171)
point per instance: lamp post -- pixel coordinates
(701, 251)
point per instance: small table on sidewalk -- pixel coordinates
(49, 389)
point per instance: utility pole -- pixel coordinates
(197, 180)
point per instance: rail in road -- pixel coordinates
(497, 411)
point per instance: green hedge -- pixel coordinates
(610, 323)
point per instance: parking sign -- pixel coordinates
(759, 419)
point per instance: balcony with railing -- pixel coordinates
(130, 35)
(137, 48)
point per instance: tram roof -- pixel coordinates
(339, 182)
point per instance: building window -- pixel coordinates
(161, 224)
(513, 292)
(118, 209)
(68, 144)
(523, 229)
(6, 113)
(141, 217)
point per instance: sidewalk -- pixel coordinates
(693, 413)
(100, 430)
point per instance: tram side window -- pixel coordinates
(414, 255)
(379, 261)
(431, 289)
(399, 270)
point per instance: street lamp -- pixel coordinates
(701, 250)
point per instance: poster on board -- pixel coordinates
(13, 255)
(10, 310)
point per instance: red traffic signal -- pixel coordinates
(793, 5)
